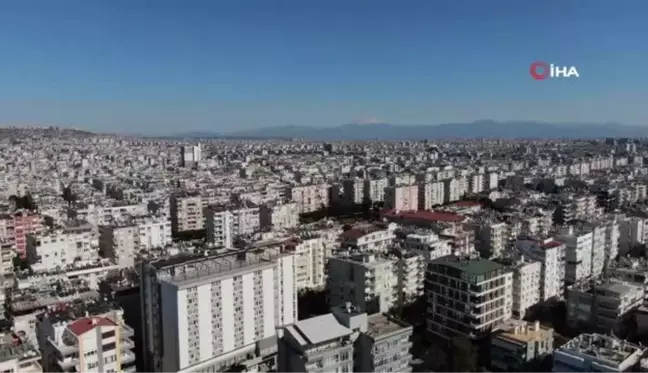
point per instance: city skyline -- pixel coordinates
(131, 67)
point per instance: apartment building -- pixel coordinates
(598, 353)
(309, 198)
(427, 244)
(206, 313)
(526, 286)
(633, 231)
(311, 252)
(61, 247)
(475, 183)
(410, 271)
(104, 215)
(186, 213)
(551, 254)
(602, 306)
(190, 155)
(278, 216)
(612, 241)
(366, 280)
(578, 254)
(345, 340)
(491, 181)
(74, 342)
(374, 189)
(14, 229)
(431, 193)
(18, 355)
(519, 345)
(402, 198)
(225, 222)
(121, 242)
(491, 239)
(371, 238)
(467, 296)
(454, 189)
(353, 190)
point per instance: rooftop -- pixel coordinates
(473, 266)
(523, 332)
(431, 216)
(602, 347)
(379, 325)
(12, 347)
(318, 329)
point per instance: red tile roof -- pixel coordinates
(87, 324)
(426, 215)
(551, 244)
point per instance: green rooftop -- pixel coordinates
(476, 267)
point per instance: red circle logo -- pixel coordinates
(539, 70)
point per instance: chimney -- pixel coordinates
(94, 321)
(348, 307)
(537, 326)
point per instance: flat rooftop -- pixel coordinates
(317, 330)
(473, 266)
(523, 332)
(379, 325)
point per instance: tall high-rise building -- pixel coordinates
(207, 313)
(190, 155)
(467, 297)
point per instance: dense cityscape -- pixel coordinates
(206, 255)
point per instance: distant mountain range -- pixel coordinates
(479, 129)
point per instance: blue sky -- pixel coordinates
(161, 66)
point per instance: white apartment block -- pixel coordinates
(62, 247)
(427, 244)
(206, 313)
(225, 223)
(612, 241)
(454, 189)
(353, 190)
(374, 189)
(491, 181)
(310, 198)
(368, 239)
(467, 296)
(476, 183)
(526, 286)
(410, 270)
(578, 254)
(633, 231)
(311, 251)
(122, 242)
(598, 250)
(402, 198)
(368, 281)
(551, 254)
(96, 343)
(491, 239)
(278, 217)
(187, 213)
(190, 155)
(431, 193)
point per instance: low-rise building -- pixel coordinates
(597, 353)
(520, 346)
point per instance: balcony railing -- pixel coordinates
(68, 362)
(127, 331)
